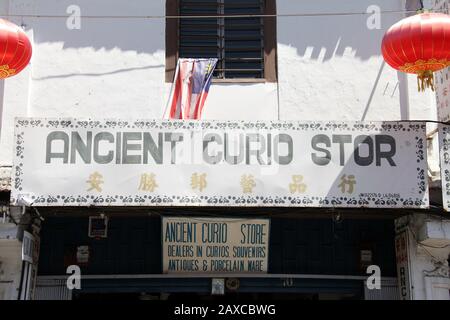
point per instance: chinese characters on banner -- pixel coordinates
(71, 162)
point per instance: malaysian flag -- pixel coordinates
(190, 89)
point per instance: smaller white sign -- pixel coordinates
(444, 155)
(401, 251)
(215, 245)
(27, 247)
(218, 286)
(366, 256)
(83, 254)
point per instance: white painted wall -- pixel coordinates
(430, 281)
(330, 68)
(10, 268)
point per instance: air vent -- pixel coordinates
(98, 227)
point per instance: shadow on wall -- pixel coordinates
(126, 70)
(139, 35)
(316, 37)
(324, 37)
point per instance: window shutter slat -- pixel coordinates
(238, 42)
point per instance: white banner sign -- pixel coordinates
(442, 84)
(444, 154)
(402, 258)
(215, 245)
(28, 247)
(70, 162)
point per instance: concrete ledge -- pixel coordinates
(435, 233)
(9, 231)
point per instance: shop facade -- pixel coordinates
(305, 171)
(128, 264)
(263, 208)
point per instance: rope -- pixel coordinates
(147, 17)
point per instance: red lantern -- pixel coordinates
(15, 49)
(419, 44)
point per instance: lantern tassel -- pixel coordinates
(425, 80)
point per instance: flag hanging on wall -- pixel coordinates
(190, 89)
